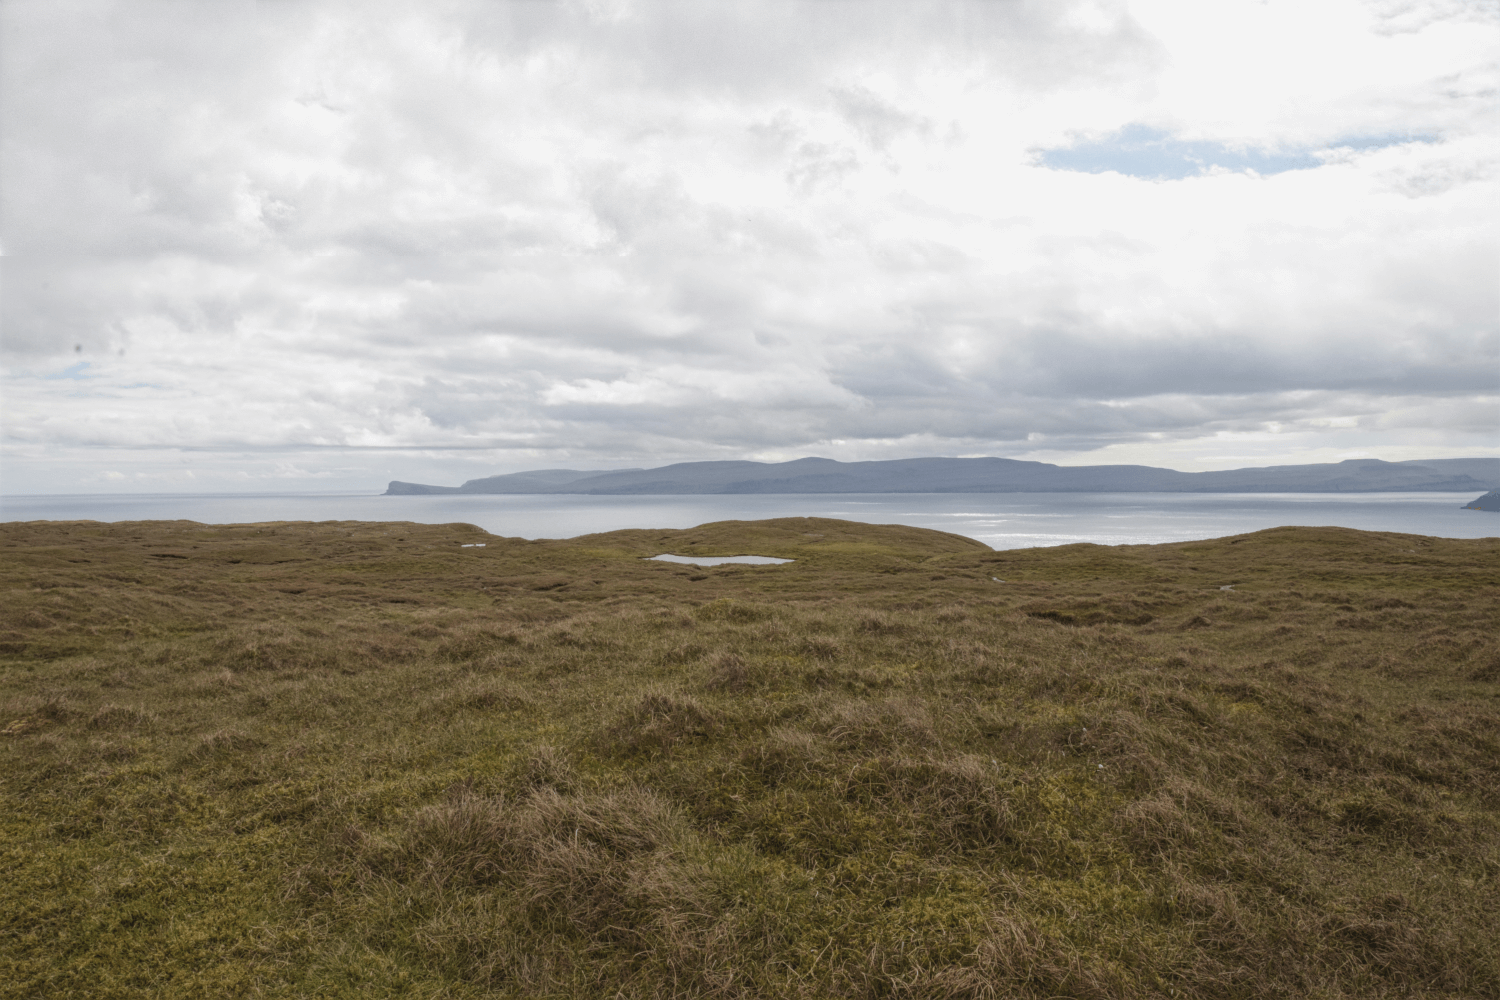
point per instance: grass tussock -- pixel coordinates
(355, 759)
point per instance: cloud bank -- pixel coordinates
(325, 243)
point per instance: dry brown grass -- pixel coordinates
(358, 759)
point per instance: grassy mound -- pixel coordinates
(363, 759)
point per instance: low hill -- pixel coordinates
(366, 759)
(1490, 501)
(984, 475)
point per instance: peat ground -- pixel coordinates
(362, 759)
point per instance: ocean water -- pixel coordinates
(1000, 520)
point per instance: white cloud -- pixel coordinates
(503, 236)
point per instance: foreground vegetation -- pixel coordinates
(354, 759)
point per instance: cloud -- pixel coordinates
(615, 233)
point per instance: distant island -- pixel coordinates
(983, 475)
(1490, 501)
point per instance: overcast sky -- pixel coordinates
(316, 245)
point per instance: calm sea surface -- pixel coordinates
(1000, 520)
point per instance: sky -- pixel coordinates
(287, 245)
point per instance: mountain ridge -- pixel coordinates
(980, 475)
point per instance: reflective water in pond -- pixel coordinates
(722, 560)
(1001, 520)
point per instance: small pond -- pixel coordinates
(721, 560)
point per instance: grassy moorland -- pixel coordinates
(354, 759)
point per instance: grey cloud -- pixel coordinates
(1409, 16)
(622, 232)
(766, 49)
(877, 120)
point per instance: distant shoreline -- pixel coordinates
(979, 475)
(1002, 520)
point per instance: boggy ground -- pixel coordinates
(354, 759)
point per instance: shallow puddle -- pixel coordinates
(721, 560)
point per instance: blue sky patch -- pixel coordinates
(75, 372)
(1142, 151)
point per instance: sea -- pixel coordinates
(1000, 520)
